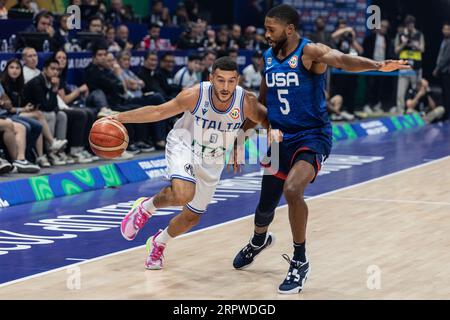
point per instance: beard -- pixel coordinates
(217, 94)
(279, 44)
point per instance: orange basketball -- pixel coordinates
(108, 138)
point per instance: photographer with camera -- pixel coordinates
(421, 100)
(344, 84)
(409, 45)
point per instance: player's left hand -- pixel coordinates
(392, 65)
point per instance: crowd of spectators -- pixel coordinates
(45, 119)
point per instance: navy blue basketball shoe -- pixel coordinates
(245, 257)
(296, 277)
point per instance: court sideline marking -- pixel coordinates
(225, 223)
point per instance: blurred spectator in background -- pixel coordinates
(41, 92)
(147, 74)
(30, 61)
(165, 70)
(133, 84)
(345, 85)
(187, 76)
(442, 69)
(419, 99)
(192, 38)
(159, 14)
(181, 17)
(77, 101)
(192, 9)
(252, 41)
(23, 112)
(43, 23)
(321, 35)
(207, 63)
(22, 7)
(251, 75)
(122, 38)
(210, 41)
(223, 38)
(233, 54)
(118, 13)
(3, 10)
(409, 45)
(95, 26)
(62, 36)
(110, 36)
(334, 106)
(378, 46)
(153, 42)
(236, 40)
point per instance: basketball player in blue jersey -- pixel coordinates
(293, 90)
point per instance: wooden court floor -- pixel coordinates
(385, 239)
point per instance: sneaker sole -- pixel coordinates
(127, 217)
(6, 169)
(270, 245)
(298, 289)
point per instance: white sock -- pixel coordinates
(164, 236)
(148, 205)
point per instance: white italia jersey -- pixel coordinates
(197, 144)
(208, 131)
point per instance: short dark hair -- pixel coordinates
(99, 45)
(193, 57)
(208, 52)
(225, 63)
(49, 61)
(410, 19)
(153, 25)
(150, 53)
(165, 55)
(95, 18)
(446, 23)
(285, 13)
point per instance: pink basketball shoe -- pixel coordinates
(155, 251)
(135, 220)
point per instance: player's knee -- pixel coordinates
(292, 192)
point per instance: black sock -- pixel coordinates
(299, 252)
(258, 239)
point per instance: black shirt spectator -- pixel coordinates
(41, 91)
(192, 38)
(320, 35)
(43, 24)
(159, 14)
(236, 40)
(118, 13)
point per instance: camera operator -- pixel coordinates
(421, 100)
(409, 45)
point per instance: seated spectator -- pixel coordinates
(153, 42)
(25, 113)
(110, 36)
(334, 106)
(3, 10)
(41, 92)
(192, 38)
(207, 62)
(118, 13)
(187, 76)
(103, 74)
(321, 35)
(122, 38)
(133, 84)
(253, 41)
(62, 36)
(210, 41)
(236, 40)
(233, 54)
(14, 138)
(30, 61)
(251, 75)
(95, 25)
(43, 23)
(159, 14)
(419, 99)
(79, 113)
(181, 16)
(165, 76)
(22, 7)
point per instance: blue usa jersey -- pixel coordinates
(295, 97)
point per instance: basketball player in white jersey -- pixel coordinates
(195, 152)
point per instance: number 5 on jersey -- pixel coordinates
(286, 108)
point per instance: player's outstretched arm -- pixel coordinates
(320, 53)
(185, 100)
